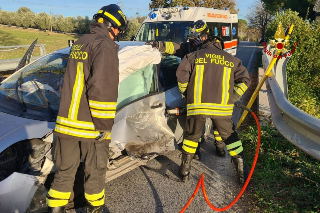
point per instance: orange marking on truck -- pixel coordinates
(216, 15)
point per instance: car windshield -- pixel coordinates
(36, 87)
(164, 31)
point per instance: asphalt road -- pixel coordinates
(155, 188)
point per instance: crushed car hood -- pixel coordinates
(14, 129)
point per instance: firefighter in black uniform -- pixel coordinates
(180, 50)
(211, 80)
(87, 110)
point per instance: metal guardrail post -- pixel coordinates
(42, 50)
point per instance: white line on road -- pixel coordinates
(250, 61)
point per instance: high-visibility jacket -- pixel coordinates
(90, 89)
(212, 80)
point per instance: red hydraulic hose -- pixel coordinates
(201, 180)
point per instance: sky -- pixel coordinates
(88, 8)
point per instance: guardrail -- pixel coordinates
(9, 65)
(300, 128)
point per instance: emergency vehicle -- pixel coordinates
(173, 24)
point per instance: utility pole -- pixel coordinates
(120, 5)
(50, 20)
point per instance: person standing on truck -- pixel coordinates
(87, 110)
(180, 50)
(211, 80)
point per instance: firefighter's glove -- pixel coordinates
(197, 42)
(104, 135)
(154, 44)
(235, 96)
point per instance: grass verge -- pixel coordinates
(11, 36)
(285, 179)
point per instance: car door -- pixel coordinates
(140, 125)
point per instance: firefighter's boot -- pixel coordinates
(242, 170)
(94, 209)
(220, 151)
(59, 209)
(185, 166)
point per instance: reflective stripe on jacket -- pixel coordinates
(209, 77)
(90, 89)
(173, 48)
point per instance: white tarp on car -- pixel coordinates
(133, 58)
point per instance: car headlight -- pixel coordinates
(38, 203)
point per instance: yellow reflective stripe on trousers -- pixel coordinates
(225, 85)
(103, 105)
(236, 152)
(234, 145)
(76, 93)
(75, 123)
(216, 132)
(102, 114)
(76, 132)
(209, 112)
(210, 106)
(93, 197)
(189, 150)
(60, 195)
(56, 203)
(97, 202)
(198, 84)
(190, 143)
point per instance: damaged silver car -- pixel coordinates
(149, 121)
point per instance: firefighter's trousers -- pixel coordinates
(67, 154)
(224, 128)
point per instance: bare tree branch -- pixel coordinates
(259, 17)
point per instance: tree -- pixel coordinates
(22, 10)
(25, 17)
(242, 25)
(259, 17)
(132, 29)
(11, 18)
(82, 24)
(141, 19)
(59, 23)
(42, 21)
(219, 4)
(301, 6)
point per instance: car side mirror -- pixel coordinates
(132, 38)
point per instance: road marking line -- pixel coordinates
(250, 60)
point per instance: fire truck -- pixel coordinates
(173, 24)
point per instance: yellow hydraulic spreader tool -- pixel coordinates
(279, 45)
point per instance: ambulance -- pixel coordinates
(173, 24)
